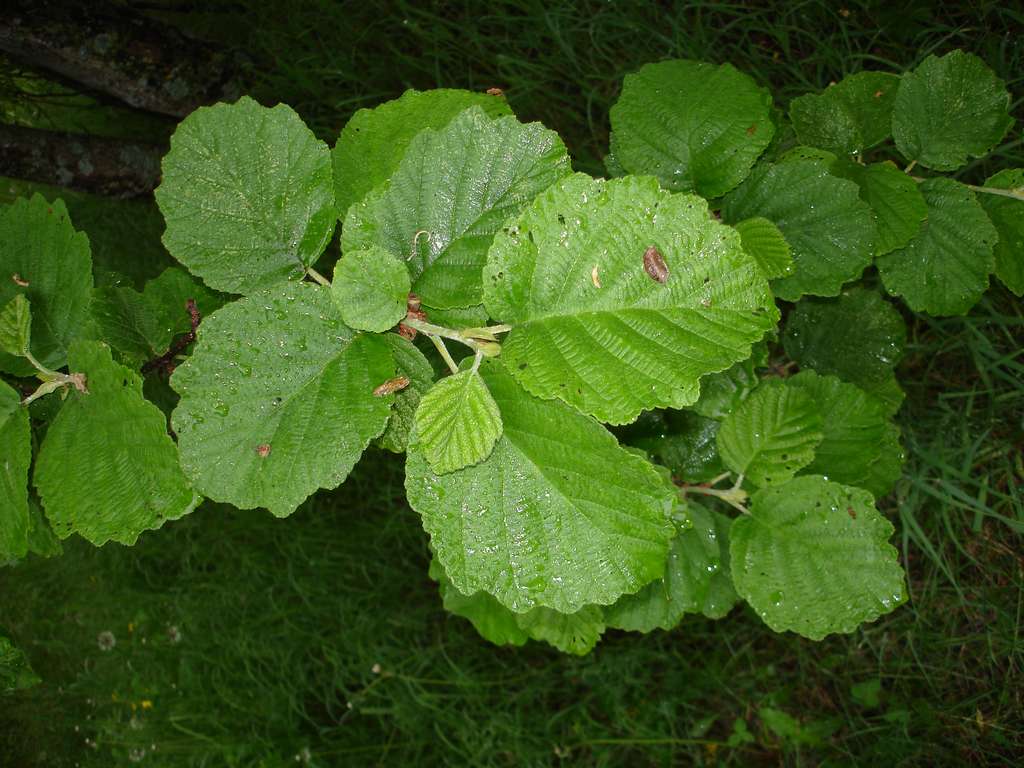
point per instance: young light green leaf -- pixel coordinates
(622, 296)
(16, 326)
(945, 269)
(685, 444)
(854, 426)
(453, 190)
(371, 288)
(373, 142)
(15, 458)
(44, 259)
(894, 198)
(558, 515)
(495, 623)
(763, 240)
(277, 400)
(848, 117)
(247, 195)
(1007, 215)
(772, 434)
(949, 109)
(695, 126)
(107, 469)
(458, 422)
(694, 556)
(858, 336)
(575, 633)
(410, 363)
(813, 557)
(830, 230)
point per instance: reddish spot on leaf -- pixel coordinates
(752, 130)
(263, 450)
(495, 92)
(878, 93)
(851, 512)
(391, 385)
(655, 266)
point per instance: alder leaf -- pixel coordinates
(492, 620)
(576, 633)
(888, 467)
(858, 336)
(371, 288)
(373, 141)
(277, 399)
(458, 422)
(411, 363)
(44, 259)
(685, 444)
(854, 426)
(949, 109)
(813, 557)
(722, 596)
(945, 269)
(558, 515)
(696, 126)
(849, 116)
(453, 190)
(107, 469)
(720, 393)
(894, 198)
(1007, 215)
(593, 322)
(16, 326)
(830, 230)
(15, 458)
(247, 195)
(772, 434)
(763, 240)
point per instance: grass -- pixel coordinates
(242, 640)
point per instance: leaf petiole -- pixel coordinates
(478, 339)
(317, 276)
(734, 496)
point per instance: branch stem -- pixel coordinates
(438, 342)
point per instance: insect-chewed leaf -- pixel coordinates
(558, 515)
(945, 269)
(848, 117)
(44, 259)
(371, 288)
(107, 469)
(1007, 215)
(894, 198)
(373, 142)
(950, 108)
(693, 125)
(858, 336)
(277, 398)
(830, 230)
(457, 422)
(453, 190)
(813, 557)
(15, 458)
(763, 240)
(772, 434)
(635, 343)
(16, 326)
(247, 195)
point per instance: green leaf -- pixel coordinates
(558, 515)
(830, 230)
(373, 142)
(371, 287)
(1008, 217)
(575, 633)
(458, 422)
(721, 393)
(695, 126)
(853, 423)
(411, 363)
(593, 326)
(495, 623)
(693, 557)
(858, 336)
(944, 270)
(772, 434)
(848, 117)
(107, 469)
(15, 458)
(888, 467)
(247, 195)
(38, 246)
(813, 557)
(15, 326)
(15, 672)
(686, 445)
(721, 597)
(42, 540)
(277, 399)
(763, 240)
(453, 190)
(894, 198)
(950, 108)
(141, 326)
